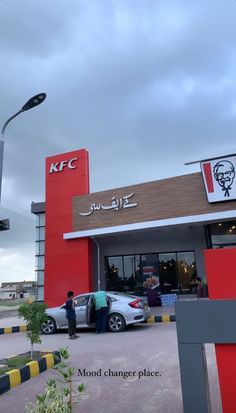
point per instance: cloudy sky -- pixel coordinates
(143, 85)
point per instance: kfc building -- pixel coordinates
(134, 238)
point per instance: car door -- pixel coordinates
(90, 315)
(61, 317)
(81, 302)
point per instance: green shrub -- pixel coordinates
(34, 314)
(57, 398)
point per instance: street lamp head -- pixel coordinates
(31, 103)
(34, 101)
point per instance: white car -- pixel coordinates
(124, 310)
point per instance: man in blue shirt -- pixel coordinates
(102, 308)
(70, 315)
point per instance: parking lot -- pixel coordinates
(136, 370)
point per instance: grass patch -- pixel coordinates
(18, 361)
(3, 370)
(16, 302)
(14, 363)
(2, 304)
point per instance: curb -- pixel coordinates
(165, 318)
(33, 368)
(15, 329)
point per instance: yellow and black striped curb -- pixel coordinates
(15, 329)
(165, 318)
(17, 376)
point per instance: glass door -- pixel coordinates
(168, 273)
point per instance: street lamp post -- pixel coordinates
(31, 103)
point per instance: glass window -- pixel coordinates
(168, 272)
(40, 277)
(40, 293)
(82, 301)
(223, 234)
(39, 263)
(186, 269)
(115, 273)
(149, 272)
(224, 246)
(40, 234)
(40, 220)
(40, 247)
(131, 274)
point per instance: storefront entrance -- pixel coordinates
(170, 272)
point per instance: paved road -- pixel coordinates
(139, 350)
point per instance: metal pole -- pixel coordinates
(210, 159)
(98, 264)
(2, 146)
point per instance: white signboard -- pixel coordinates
(219, 179)
(115, 205)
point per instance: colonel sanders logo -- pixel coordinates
(224, 174)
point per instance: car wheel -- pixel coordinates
(49, 326)
(116, 323)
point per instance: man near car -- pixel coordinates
(70, 315)
(101, 308)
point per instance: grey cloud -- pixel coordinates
(35, 29)
(145, 86)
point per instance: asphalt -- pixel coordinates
(138, 350)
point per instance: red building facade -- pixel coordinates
(67, 264)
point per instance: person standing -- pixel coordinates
(201, 289)
(101, 308)
(70, 315)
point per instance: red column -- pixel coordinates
(67, 262)
(221, 278)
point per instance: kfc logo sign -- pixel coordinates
(219, 179)
(59, 166)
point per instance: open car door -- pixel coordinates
(90, 315)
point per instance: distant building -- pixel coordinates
(17, 289)
(8, 293)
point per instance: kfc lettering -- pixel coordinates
(59, 166)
